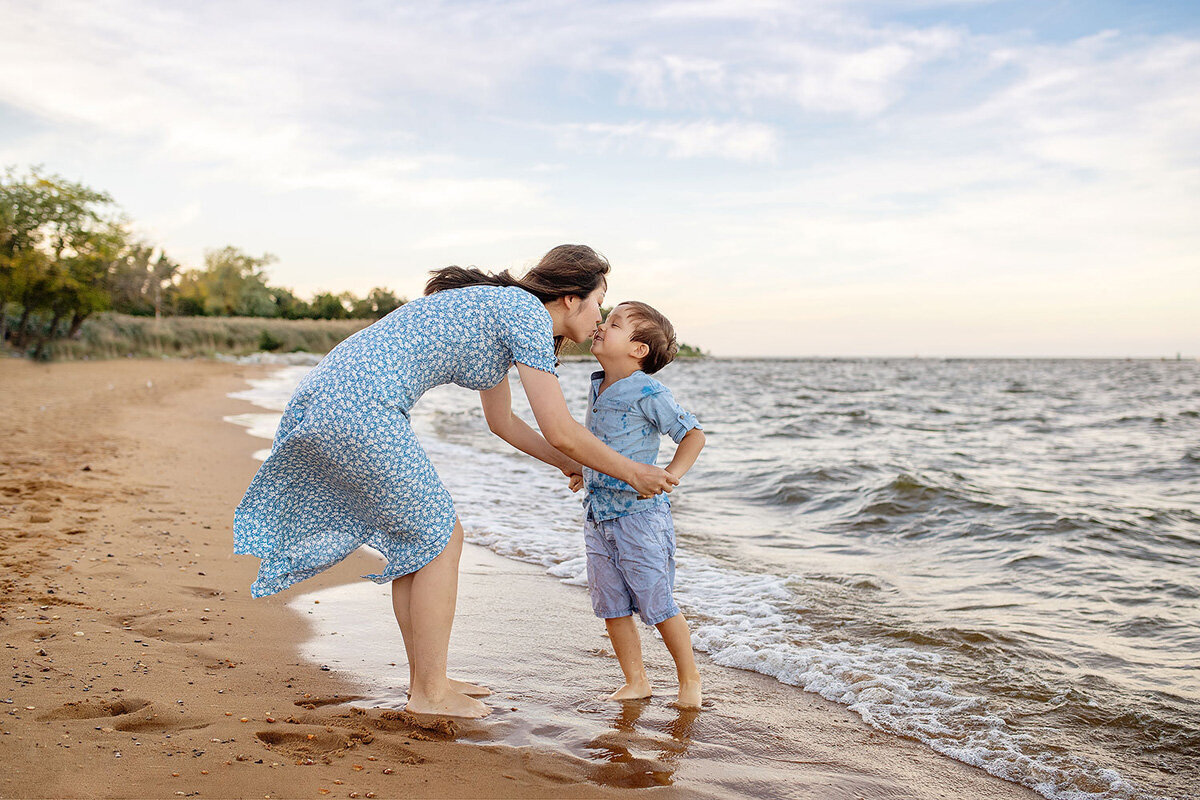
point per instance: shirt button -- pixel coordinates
(595, 410)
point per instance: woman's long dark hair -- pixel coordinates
(569, 269)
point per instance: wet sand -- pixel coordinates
(142, 667)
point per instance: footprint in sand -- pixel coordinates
(312, 742)
(95, 709)
(333, 700)
(126, 714)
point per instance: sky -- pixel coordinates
(819, 178)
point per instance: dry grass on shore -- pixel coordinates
(120, 335)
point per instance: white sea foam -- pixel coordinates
(522, 510)
(281, 359)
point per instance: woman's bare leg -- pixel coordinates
(401, 607)
(432, 597)
(401, 594)
(622, 632)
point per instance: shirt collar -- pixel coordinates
(634, 380)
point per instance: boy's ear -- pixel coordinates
(640, 350)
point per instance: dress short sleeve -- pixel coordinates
(666, 415)
(527, 330)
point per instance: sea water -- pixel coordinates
(996, 558)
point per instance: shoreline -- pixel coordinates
(130, 626)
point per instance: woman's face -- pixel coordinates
(584, 316)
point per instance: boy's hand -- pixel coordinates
(576, 482)
(649, 480)
(673, 476)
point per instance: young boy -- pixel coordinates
(630, 539)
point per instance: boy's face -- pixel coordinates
(612, 342)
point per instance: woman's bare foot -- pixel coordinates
(638, 690)
(469, 689)
(449, 704)
(462, 687)
(689, 694)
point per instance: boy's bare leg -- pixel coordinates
(678, 639)
(401, 607)
(432, 597)
(628, 646)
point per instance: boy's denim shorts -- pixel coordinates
(631, 565)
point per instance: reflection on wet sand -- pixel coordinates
(622, 768)
(549, 668)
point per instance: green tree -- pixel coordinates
(162, 277)
(289, 306)
(58, 242)
(384, 301)
(326, 305)
(190, 295)
(378, 303)
(131, 281)
(236, 284)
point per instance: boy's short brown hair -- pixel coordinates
(655, 331)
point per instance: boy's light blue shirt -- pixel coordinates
(630, 417)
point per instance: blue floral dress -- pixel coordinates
(345, 468)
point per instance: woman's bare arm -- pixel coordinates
(564, 433)
(497, 410)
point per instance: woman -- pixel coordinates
(346, 470)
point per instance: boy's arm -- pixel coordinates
(686, 453)
(670, 419)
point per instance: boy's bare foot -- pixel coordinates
(689, 694)
(638, 690)
(450, 704)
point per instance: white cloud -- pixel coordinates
(739, 141)
(814, 151)
(221, 102)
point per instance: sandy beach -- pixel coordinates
(143, 668)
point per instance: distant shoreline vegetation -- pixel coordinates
(584, 349)
(111, 335)
(75, 282)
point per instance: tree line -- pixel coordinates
(66, 252)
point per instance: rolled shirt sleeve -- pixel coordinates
(667, 416)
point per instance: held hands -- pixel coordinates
(574, 475)
(650, 480)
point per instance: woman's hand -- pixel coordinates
(648, 480)
(574, 474)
